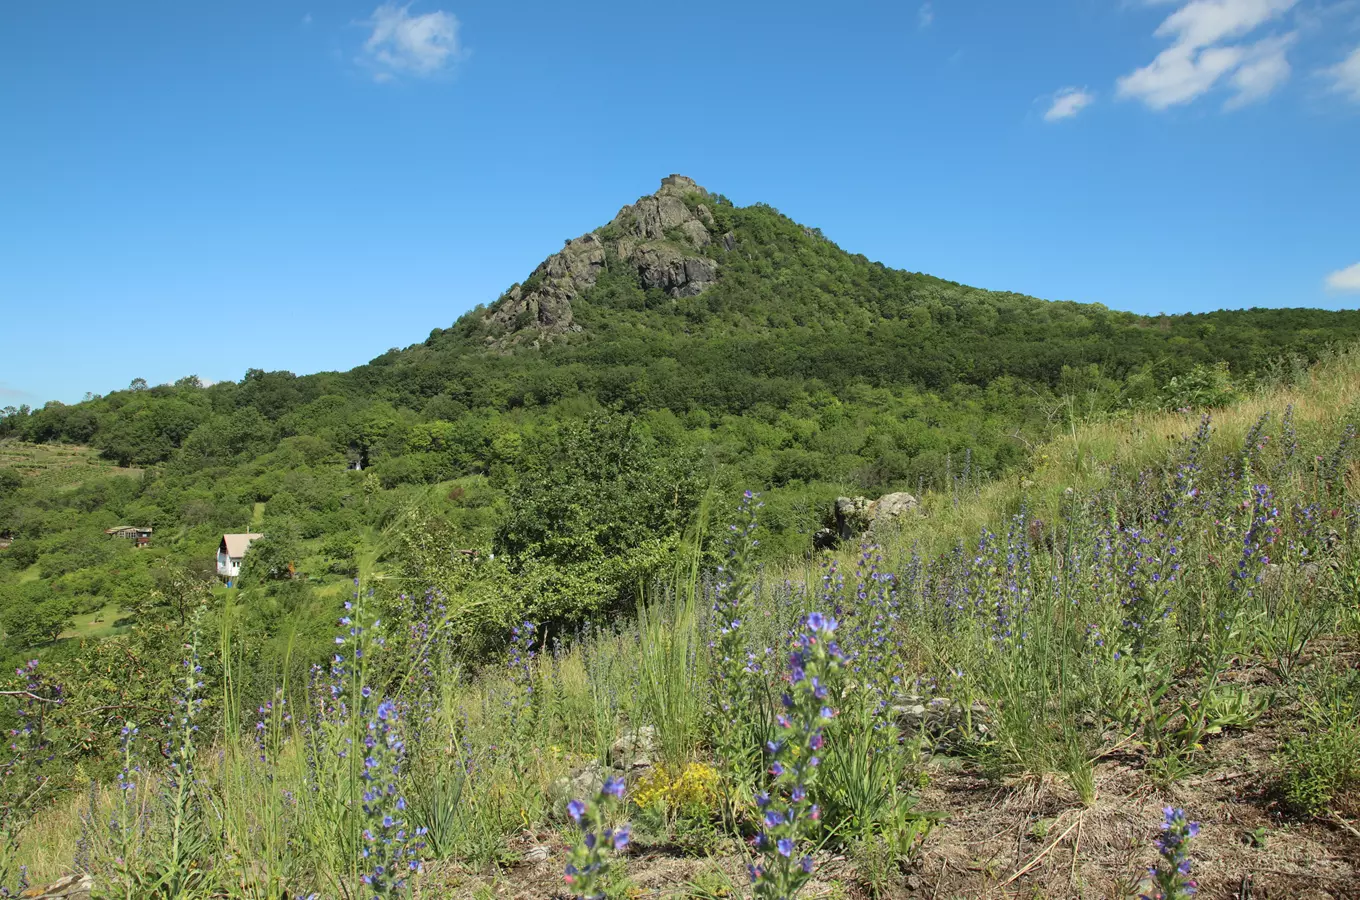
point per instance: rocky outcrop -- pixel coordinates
(676, 274)
(657, 217)
(853, 517)
(544, 300)
(658, 236)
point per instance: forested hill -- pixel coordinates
(689, 304)
(684, 301)
(687, 343)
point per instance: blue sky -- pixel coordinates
(201, 188)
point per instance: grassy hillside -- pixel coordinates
(1159, 611)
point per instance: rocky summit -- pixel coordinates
(662, 236)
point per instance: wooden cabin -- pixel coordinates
(138, 533)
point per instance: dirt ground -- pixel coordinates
(1033, 838)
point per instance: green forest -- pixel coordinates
(576, 462)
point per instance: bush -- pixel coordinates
(594, 509)
(1323, 760)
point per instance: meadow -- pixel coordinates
(1129, 665)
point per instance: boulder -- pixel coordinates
(940, 716)
(855, 516)
(581, 784)
(890, 510)
(72, 887)
(637, 749)
(851, 516)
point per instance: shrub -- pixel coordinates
(1323, 760)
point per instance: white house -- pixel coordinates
(231, 551)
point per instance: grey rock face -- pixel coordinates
(557, 280)
(657, 235)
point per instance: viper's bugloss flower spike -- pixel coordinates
(587, 866)
(1171, 876)
(737, 671)
(391, 848)
(814, 664)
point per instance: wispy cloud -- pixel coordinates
(1345, 280)
(1264, 68)
(1067, 102)
(1345, 75)
(925, 15)
(405, 44)
(1205, 48)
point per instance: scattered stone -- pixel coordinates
(940, 716)
(909, 716)
(538, 854)
(72, 887)
(636, 749)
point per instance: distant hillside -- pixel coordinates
(687, 344)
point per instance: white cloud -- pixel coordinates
(416, 45)
(1263, 70)
(1067, 103)
(1346, 280)
(1201, 23)
(1345, 76)
(1201, 54)
(925, 15)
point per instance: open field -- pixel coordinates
(57, 463)
(97, 624)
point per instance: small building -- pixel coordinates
(231, 551)
(140, 534)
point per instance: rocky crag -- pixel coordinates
(662, 236)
